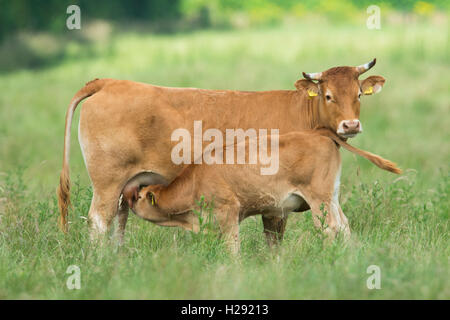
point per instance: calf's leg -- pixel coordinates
(228, 220)
(323, 189)
(274, 229)
(346, 226)
(331, 224)
(231, 235)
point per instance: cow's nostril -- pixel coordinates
(351, 126)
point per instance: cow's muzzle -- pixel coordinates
(349, 128)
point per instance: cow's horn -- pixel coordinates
(312, 76)
(364, 67)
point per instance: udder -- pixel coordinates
(294, 203)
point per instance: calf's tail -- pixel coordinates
(375, 159)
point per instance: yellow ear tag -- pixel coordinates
(312, 93)
(369, 90)
(153, 199)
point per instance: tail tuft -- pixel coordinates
(385, 164)
(63, 193)
(375, 159)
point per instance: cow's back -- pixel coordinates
(128, 125)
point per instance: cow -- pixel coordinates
(125, 127)
(308, 178)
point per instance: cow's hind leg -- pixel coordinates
(274, 229)
(103, 209)
(122, 218)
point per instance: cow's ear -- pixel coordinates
(311, 87)
(372, 84)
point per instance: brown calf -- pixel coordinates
(308, 177)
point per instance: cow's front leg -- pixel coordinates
(274, 227)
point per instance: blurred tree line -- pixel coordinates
(50, 15)
(33, 33)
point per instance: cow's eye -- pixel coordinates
(328, 97)
(359, 96)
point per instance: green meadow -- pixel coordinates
(398, 223)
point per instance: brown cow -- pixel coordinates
(125, 127)
(308, 177)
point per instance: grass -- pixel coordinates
(400, 224)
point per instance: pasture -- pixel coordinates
(399, 223)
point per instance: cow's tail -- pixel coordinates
(375, 159)
(63, 191)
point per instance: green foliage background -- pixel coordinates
(33, 15)
(33, 35)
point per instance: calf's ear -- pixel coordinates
(151, 197)
(372, 84)
(310, 86)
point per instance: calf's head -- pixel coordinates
(146, 198)
(338, 91)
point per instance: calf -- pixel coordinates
(308, 177)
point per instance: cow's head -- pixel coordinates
(338, 91)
